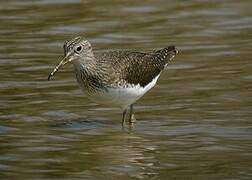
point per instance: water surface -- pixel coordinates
(195, 124)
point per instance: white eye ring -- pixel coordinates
(78, 49)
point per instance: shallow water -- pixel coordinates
(195, 124)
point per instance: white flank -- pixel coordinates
(122, 97)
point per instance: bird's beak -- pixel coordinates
(65, 60)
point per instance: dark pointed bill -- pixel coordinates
(65, 60)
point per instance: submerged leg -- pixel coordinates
(132, 118)
(123, 116)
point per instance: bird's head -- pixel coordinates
(77, 49)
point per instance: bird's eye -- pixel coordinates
(79, 48)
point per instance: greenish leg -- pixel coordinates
(132, 118)
(123, 116)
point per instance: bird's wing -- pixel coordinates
(136, 67)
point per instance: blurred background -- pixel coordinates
(195, 124)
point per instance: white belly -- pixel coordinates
(121, 97)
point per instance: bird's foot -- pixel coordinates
(132, 119)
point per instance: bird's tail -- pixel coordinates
(166, 54)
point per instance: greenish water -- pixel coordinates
(195, 124)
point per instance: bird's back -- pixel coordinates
(132, 67)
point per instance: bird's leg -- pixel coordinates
(132, 118)
(123, 116)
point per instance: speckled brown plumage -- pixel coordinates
(101, 70)
(134, 67)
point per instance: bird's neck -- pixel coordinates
(86, 63)
(88, 74)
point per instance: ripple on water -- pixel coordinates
(195, 123)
